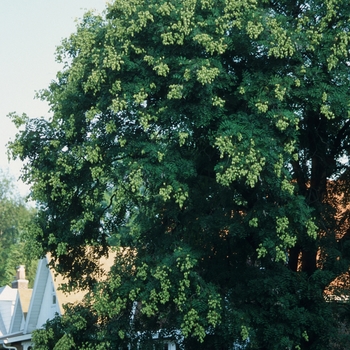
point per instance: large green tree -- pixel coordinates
(211, 139)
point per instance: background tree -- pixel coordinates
(15, 219)
(211, 139)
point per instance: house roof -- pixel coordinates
(24, 297)
(7, 301)
(33, 307)
(7, 293)
(20, 309)
(48, 295)
(75, 296)
(64, 297)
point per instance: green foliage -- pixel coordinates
(205, 141)
(15, 220)
(78, 328)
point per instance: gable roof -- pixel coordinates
(20, 310)
(23, 310)
(64, 297)
(7, 301)
(7, 293)
(48, 297)
(24, 297)
(41, 276)
(105, 264)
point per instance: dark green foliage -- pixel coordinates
(77, 328)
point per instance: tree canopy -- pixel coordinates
(208, 141)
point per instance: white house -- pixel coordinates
(8, 298)
(14, 302)
(23, 310)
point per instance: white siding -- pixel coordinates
(41, 306)
(48, 308)
(38, 294)
(7, 304)
(17, 318)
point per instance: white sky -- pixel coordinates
(30, 30)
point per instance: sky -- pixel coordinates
(30, 31)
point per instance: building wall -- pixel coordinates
(6, 310)
(50, 305)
